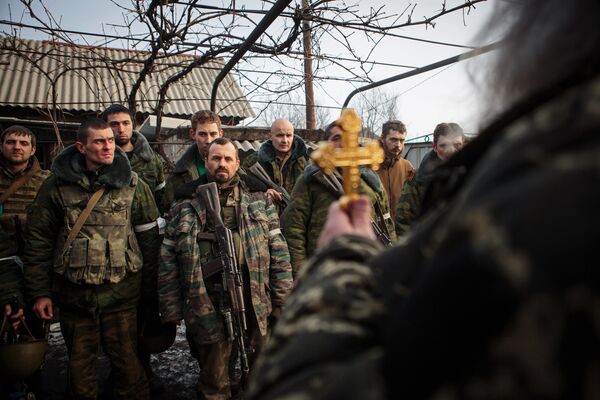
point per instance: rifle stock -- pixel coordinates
(234, 309)
(259, 172)
(334, 185)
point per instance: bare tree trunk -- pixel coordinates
(308, 68)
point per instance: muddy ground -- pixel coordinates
(177, 368)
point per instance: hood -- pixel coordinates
(430, 162)
(251, 184)
(141, 147)
(69, 166)
(187, 160)
(266, 153)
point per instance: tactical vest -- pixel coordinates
(106, 248)
(208, 247)
(13, 213)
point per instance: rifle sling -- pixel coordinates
(17, 184)
(83, 217)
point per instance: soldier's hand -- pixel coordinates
(274, 195)
(43, 308)
(356, 220)
(15, 318)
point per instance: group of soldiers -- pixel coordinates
(121, 251)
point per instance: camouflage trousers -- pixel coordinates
(116, 332)
(217, 362)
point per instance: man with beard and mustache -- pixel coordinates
(20, 179)
(395, 170)
(190, 270)
(144, 161)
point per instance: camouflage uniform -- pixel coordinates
(186, 170)
(495, 295)
(97, 282)
(148, 165)
(284, 172)
(305, 216)
(409, 205)
(185, 293)
(13, 212)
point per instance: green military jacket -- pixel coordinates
(409, 205)
(285, 172)
(185, 171)
(44, 273)
(182, 290)
(13, 213)
(11, 273)
(148, 165)
(305, 216)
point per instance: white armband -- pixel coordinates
(145, 227)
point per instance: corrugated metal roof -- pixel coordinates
(90, 79)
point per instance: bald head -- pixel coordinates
(282, 136)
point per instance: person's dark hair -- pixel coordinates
(84, 128)
(222, 141)
(18, 130)
(205, 116)
(329, 127)
(547, 41)
(445, 129)
(115, 109)
(393, 125)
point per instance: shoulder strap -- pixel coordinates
(83, 217)
(16, 185)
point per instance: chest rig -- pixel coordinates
(106, 248)
(207, 243)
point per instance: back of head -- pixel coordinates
(205, 117)
(547, 41)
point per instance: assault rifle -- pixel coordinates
(262, 175)
(334, 186)
(232, 308)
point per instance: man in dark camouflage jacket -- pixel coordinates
(187, 290)
(97, 280)
(148, 165)
(496, 294)
(283, 156)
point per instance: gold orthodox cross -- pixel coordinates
(350, 156)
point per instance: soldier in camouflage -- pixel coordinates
(189, 290)
(496, 294)
(149, 167)
(147, 164)
(20, 178)
(96, 281)
(206, 127)
(283, 156)
(305, 216)
(448, 138)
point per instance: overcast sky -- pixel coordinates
(441, 95)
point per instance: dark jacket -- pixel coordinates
(185, 171)
(495, 294)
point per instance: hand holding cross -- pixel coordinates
(350, 157)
